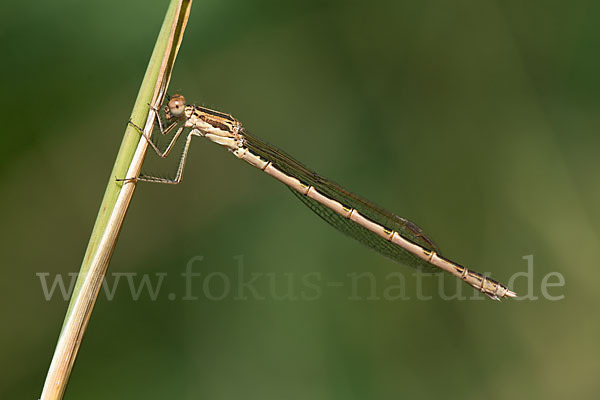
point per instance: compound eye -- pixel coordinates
(176, 105)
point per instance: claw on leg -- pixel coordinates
(127, 180)
(135, 126)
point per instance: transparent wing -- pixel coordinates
(407, 229)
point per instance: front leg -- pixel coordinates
(164, 132)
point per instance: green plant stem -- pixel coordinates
(115, 202)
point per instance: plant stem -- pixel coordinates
(116, 201)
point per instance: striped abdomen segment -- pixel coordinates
(488, 286)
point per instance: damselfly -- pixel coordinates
(385, 232)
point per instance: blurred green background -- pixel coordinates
(476, 119)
